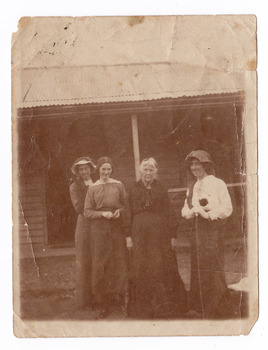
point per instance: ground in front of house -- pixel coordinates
(48, 287)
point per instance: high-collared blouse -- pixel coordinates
(215, 191)
(153, 200)
(104, 196)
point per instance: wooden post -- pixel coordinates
(136, 148)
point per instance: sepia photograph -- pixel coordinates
(134, 176)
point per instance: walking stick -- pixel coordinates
(128, 287)
(203, 202)
(198, 264)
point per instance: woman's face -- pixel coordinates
(148, 173)
(84, 171)
(105, 171)
(197, 169)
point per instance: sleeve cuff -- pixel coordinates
(212, 216)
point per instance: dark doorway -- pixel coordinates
(102, 136)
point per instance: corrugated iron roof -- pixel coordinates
(118, 83)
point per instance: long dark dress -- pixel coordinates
(208, 284)
(156, 286)
(78, 192)
(108, 241)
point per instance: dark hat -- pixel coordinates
(202, 156)
(103, 160)
(82, 161)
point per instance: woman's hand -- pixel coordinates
(200, 211)
(207, 207)
(204, 214)
(196, 210)
(107, 214)
(116, 214)
(174, 243)
(129, 243)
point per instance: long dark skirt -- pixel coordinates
(83, 261)
(208, 283)
(109, 259)
(156, 286)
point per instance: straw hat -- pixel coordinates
(82, 161)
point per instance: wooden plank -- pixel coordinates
(21, 220)
(184, 189)
(32, 233)
(32, 206)
(30, 183)
(32, 180)
(31, 239)
(29, 213)
(23, 230)
(36, 226)
(33, 220)
(30, 199)
(177, 190)
(31, 192)
(31, 186)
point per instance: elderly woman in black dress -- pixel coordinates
(82, 169)
(156, 286)
(207, 204)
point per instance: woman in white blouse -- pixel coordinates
(207, 203)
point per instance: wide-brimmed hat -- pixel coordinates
(202, 156)
(82, 161)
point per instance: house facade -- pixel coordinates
(67, 113)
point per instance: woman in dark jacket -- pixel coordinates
(156, 286)
(82, 169)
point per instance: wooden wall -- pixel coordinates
(32, 211)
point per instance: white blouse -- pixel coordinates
(215, 191)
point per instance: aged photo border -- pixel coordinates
(250, 152)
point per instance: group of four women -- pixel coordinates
(125, 244)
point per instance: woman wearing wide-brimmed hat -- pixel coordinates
(207, 203)
(82, 169)
(157, 289)
(105, 205)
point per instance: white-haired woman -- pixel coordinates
(156, 287)
(207, 203)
